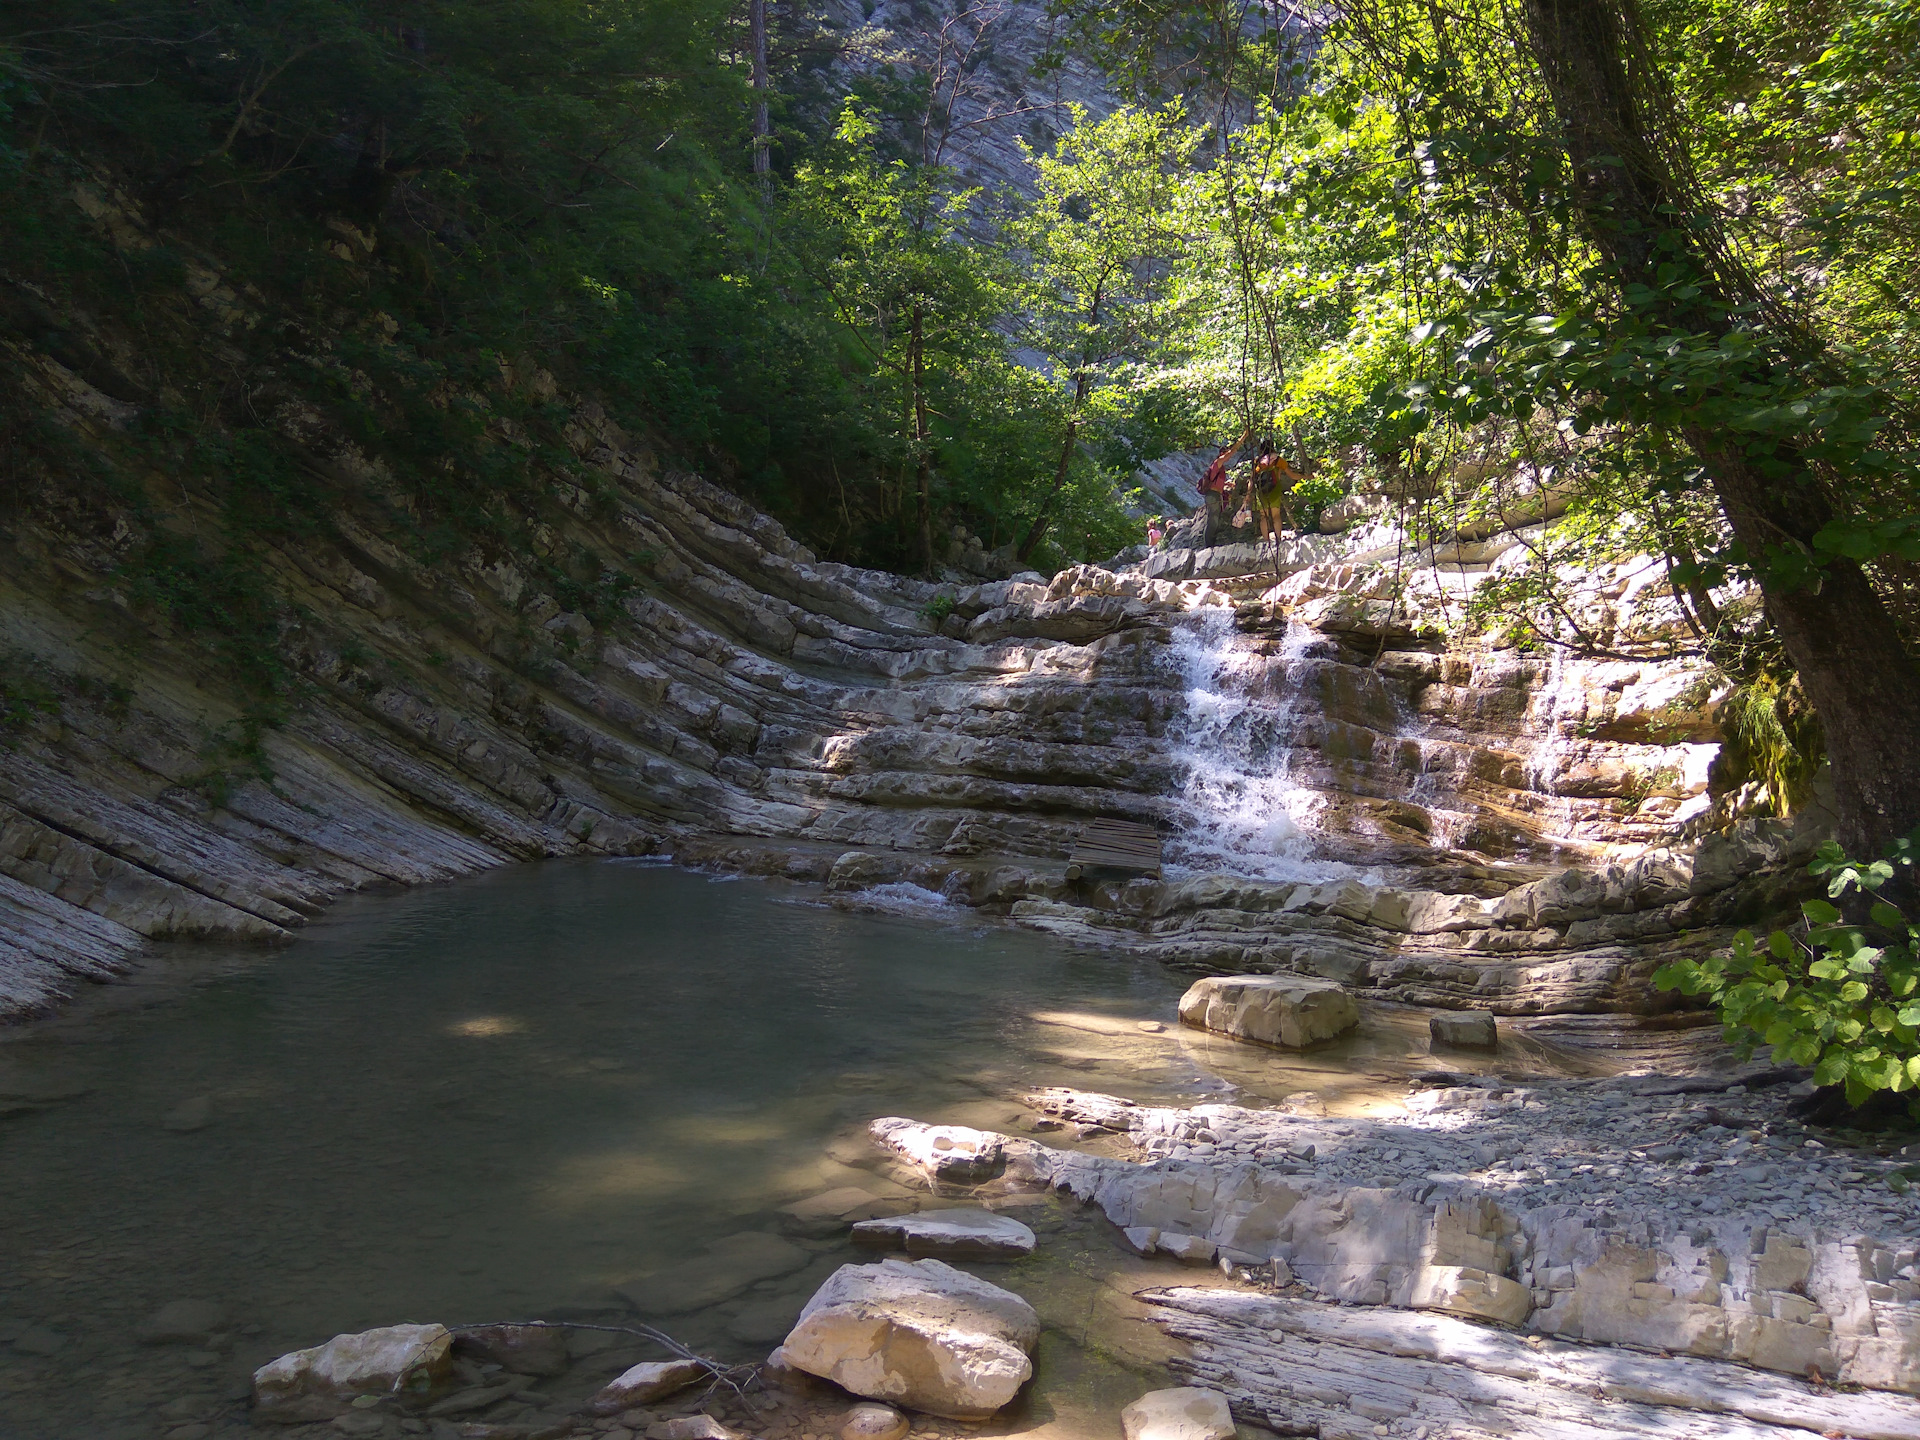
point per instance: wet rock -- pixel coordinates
(189, 1115)
(919, 1334)
(723, 1272)
(1186, 1413)
(946, 1152)
(356, 1422)
(690, 1427)
(1463, 1030)
(761, 1323)
(949, 1232)
(182, 1322)
(874, 1422)
(1289, 1010)
(322, 1382)
(467, 1402)
(521, 1349)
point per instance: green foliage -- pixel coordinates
(1772, 736)
(26, 693)
(937, 609)
(1840, 996)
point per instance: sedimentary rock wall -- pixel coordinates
(1346, 786)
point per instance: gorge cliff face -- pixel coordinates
(1344, 789)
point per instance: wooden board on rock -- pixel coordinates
(1108, 847)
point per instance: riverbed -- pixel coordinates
(534, 1093)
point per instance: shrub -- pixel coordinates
(1836, 995)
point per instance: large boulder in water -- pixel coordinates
(323, 1382)
(917, 1333)
(1290, 1010)
(949, 1232)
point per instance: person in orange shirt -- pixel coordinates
(1267, 489)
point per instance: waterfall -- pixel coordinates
(1238, 808)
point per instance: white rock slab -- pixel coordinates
(1186, 1413)
(323, 1382)
(917, 1333)
(946, 1152)
(1289, 1010)
(949, 1232)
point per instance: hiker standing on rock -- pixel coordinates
(1215, 488)
(1267, 489)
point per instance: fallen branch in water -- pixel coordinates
(738, 1378)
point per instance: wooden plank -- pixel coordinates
(1123, 845)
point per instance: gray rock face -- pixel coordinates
(1290, 1010)
(919, 1334)
(949, 1232)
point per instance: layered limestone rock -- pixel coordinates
(1669, 1262)
(1349, 786)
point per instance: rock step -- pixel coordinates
(1299, 1367)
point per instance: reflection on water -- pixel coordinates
(520, 1095)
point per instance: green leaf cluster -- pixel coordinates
(1839, 996)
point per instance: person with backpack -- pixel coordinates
(1216, 487)
(1267, 488)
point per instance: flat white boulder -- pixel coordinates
(1289, 1010)
(1188, 1413)
(949, 1232)
(323, 1382)
(917, 1333)
(945, 1152)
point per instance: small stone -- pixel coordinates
(520, 1349)
(874, 1422)
(1186, 1413)
(189, 1115)
(1142, 1238)
(1152, 1027)
(358, 1422)
(182, 1322)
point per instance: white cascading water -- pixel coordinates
(1239, 809)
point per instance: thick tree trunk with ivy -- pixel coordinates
(1632, 185)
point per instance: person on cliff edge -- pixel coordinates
(1215, 487)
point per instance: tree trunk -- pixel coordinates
(923, 461)
(1039, 526)
(1082, 383)
(762, 129)
(1637, 206)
